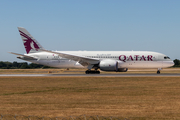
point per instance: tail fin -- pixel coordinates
(30, 44)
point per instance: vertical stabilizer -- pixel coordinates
(30, 44)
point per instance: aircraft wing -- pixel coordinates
(24, 56)
(81, 59)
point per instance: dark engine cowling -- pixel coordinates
(111, 65)
(108, 65)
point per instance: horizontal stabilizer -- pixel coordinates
(20, 56)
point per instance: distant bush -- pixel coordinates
(176, 63)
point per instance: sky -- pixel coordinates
(92, 25)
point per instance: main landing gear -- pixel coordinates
(92, 72)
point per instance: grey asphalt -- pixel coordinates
(91, 75)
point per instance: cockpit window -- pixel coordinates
(166, 57)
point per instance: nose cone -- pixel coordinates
(172, 64)
(169, 63)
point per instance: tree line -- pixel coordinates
(20, 65)
(25, 65)
(176, 63)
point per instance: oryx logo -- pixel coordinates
(29, 43)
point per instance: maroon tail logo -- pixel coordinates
(29, 43)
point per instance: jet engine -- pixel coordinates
(108, 65)
(111, 65)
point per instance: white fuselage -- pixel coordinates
(125, 59)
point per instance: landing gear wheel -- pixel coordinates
(87, 72)
(92, 72)
(158, 72)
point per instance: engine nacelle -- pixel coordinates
(108, 65)
(111, 65)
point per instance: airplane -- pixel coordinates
(117, 61)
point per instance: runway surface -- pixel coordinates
(90, 75)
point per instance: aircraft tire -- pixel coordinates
(92, 72)
(87, 72)
(158, 72)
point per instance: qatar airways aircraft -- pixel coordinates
(118, 61)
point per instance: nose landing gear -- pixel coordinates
(158, 71)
